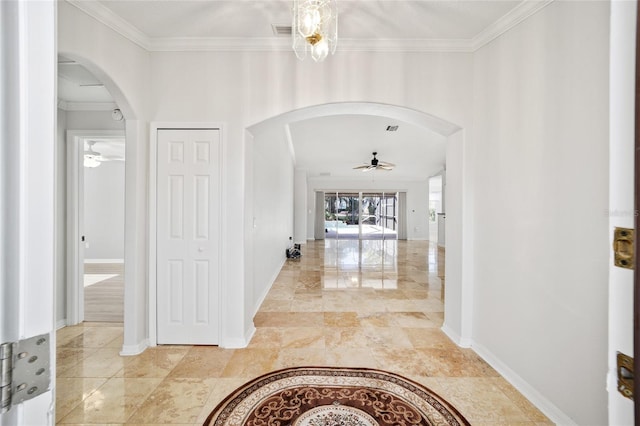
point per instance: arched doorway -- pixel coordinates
(278, 130)
(134, 302)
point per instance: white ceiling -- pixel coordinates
(331, 144)
(360, 19)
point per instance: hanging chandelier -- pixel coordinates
(314, 28)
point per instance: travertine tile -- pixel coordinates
(341, 319)
(94, 337)
(480, 400)
(113, 402)
(334, 306)
(221, 389)
(72, 391)
(345, 337)
(202, 361)
(71, 357)
(103, 363)
(267, 337)
(303, 337)
(250, 362)
(294, 357)
(175, 400)
(155, 362)
(387, 337)
(431, 338)
(351, 357)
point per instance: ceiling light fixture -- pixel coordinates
(314, 28)
(91, 157)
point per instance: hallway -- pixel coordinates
(370, 303)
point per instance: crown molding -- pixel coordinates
(269, 44)
(173, 44)
(516, 15)
(104, 15)
(219, 44)
(86, 106)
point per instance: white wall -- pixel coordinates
(92, 120)
(300, 207)
(61, 217)
(541, 187)
(621, 196)
(104, 211)
(123, 67)
(273, 181)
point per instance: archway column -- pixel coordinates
(458, 302)
(136, 332)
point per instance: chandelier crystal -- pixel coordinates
(315, 28)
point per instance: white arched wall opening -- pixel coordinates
(459, 243)
(135, 326)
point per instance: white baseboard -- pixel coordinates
(267, 288)
(104, 261)
(130, 350)
(455, 337)
(239, 343)
(61, 323)
(543, 404)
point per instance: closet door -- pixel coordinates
(188, 236)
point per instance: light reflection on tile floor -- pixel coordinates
(374, 304)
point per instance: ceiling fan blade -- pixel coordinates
(109, 158)
(385, 164)
(364, 166)
(385, 168)
(368, 168)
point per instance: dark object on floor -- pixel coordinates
(294, 253)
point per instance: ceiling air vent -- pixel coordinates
(281, 30)
(392, 128)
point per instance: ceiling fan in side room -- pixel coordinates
(93, 158)
(375, 165)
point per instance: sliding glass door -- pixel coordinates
(361, 215)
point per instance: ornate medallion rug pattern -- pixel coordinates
(326, 396)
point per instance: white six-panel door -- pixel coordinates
(188, 236)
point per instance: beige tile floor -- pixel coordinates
(373, 304)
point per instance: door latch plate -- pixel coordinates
(623, 248)
(625, 375)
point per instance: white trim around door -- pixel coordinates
(75, 217)
(153, 213)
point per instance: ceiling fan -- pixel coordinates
(93, 158)
(375, 165)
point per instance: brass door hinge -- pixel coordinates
(24, 370)
(623, 248)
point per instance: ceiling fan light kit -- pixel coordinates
(314, 28)
(375, 165)
(93, 158)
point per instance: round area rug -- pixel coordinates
(327, 396)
